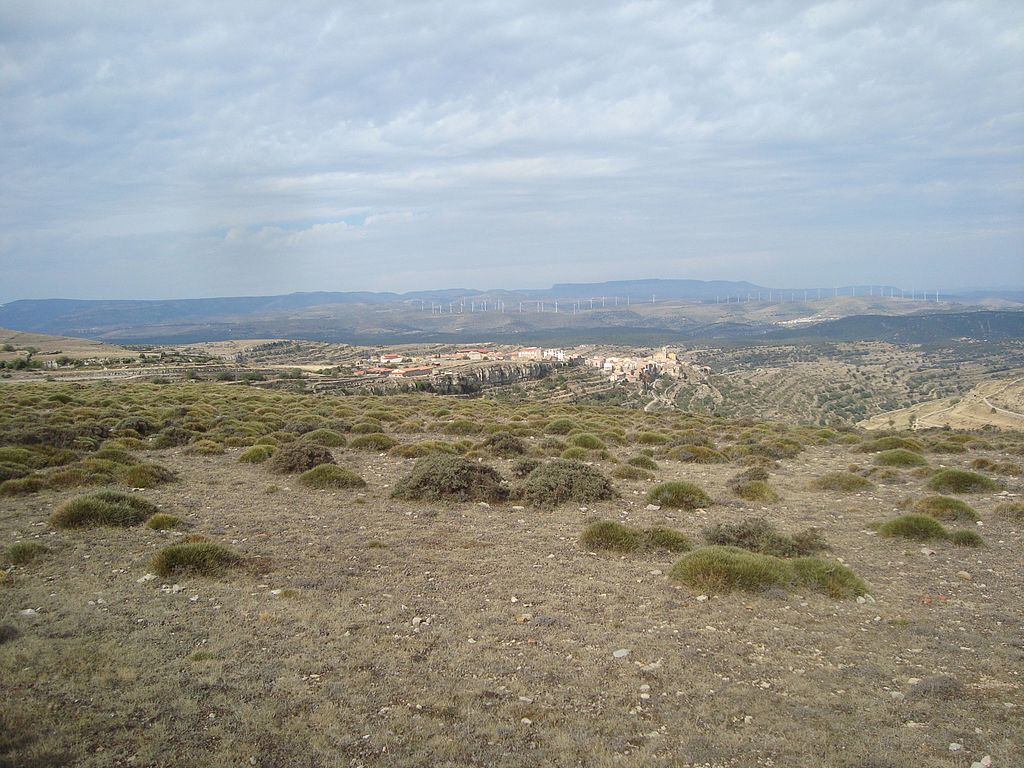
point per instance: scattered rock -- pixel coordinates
(28, 612)
(955, 746)
(652, 507)
(650, 669)
(927, 551)
(702, 598)
(146, 578)
(524, 618)
(621, 653)
(964, 575)
(985, 762)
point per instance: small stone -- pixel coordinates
(276, 591)
(861, 600)
(417, 620)
(985, 762)
(28, 612)
(653, 507)
(621, 653)
(144, 579)
(526, 721)
(897, 695)
(955, 746)
(645, 687)
(649, 669)
(748, 719)
(176, 588)
(518, 508)
(702, 598)
(964, 575)
(526, 699)
(927, 551)
(524, 618)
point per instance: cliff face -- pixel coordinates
(464, 381)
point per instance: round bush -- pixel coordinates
(643, 462)
(965, 538)
(561, 480)
(199, 558)
(298, 457)
(919, 527)
(505, 444)
(325, 437)
(945, 508)
(441, 476)
(890, 444)
(375, 441)
(900, 457)
(626, 472)
(331, 476)
(960, 481)
(847, 482)
(147, 475)
(724, 569)
(678, 495)
(161, 521)
(105, 508)
(204, 448)
(587, 441)
(257, 454)
(422, 448)
(696, 454)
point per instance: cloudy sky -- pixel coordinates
(198, 149)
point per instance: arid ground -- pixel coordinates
(364, 630)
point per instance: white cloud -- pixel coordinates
(564, 134)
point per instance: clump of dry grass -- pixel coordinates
(960, 481)
(373, 441)
(105, 508)
(198, 558)
(331, 476)
(678, 495)
(846, 482)
(612, 536)
(945, 508)
(24, 552)
(147, 475)
(257, 454)
(204, 448)
(325, 437)
(162, 521)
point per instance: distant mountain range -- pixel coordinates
(626, 311)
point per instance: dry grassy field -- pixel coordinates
(420, 610)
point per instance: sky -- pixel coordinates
(185, 149)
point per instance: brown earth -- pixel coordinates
(386, 633)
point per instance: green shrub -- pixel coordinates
(960, 481)
(588, 441)
(835, 580)
(626, 472)
(562, 480)
(846, 482)
(651, 438)
(758, 535)
(299, 456)
(331, 476)
(560, 427)
(22, 485)
(325, 437)
(367, 427)
(441, 476)
(574, 454)
(147, 475)
(422, 448)
(24, 552)
(947, 446)
(10, 455)
(162, 521)
(204, 448)
(919, 527)
(375, 441)
(724, 569)
(643, 462)
(462, 427)
(11, 471)
(523, 467)
(678, 495)
(116, 455)
(194, 558)
(104, 508)
(756, 490)
(257, 454)
(505, 444)
(615, 537)
(945, 508)
(612, 536)
(965, 538)
(900, 457)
